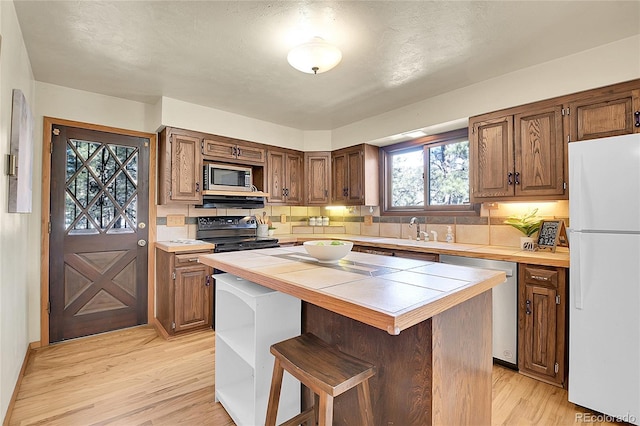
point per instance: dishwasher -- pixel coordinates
(505, 307)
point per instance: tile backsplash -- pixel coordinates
(488, 228)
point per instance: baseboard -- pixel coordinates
(160, 330)
(16, 389)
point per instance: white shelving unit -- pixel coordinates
(249, 319)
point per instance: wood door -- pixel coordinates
(540, 337)
(317, 177)
(539, 153)
(339, 190)
(186, 169)
(294, 170)
(355, 177)
(193, 303)
(97, 247)
(603, 116)
(276, 179)
(213, 149)
(491, 166)
(250, 154)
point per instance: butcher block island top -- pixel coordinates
(388, 293)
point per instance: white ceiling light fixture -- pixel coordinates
(314, 57)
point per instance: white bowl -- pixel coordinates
(328, 250)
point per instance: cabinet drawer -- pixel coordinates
(188, 259)
(540, 276)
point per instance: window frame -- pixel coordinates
(425, 143)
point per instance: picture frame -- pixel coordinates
(552, 233)
(20, 157)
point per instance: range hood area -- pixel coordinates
(232, 200)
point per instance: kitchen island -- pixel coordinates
(426, 326)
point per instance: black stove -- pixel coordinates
(232, 233)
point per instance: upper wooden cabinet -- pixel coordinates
(355, 175)
(518, 156)
(521, 153)
(285, 177)
(180, 167)
(317, 175)
(232, 150)
(609, 112)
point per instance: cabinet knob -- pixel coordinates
(510, 178)
(528, 309)
(517, 178)
(637, 115)
(197, 186)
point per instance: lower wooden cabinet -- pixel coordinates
(184, 292)
(542, 323)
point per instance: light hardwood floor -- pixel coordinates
(134, 377)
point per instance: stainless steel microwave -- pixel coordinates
(226, 177)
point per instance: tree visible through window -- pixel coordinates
(427, 174)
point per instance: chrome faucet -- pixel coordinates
(414, 221)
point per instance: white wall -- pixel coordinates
(16, 255)
(608, 64)
(184, 115)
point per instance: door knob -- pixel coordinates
(142, 243)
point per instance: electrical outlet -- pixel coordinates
(175, 220)
(283, 218)
(368, 220)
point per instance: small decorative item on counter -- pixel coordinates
(527, 223)
(325, 221)
(312, 221)
(263, 230)
(449, 237)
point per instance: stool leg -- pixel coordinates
(325, 417)
(274, 394)
(364, 399)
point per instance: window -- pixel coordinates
(429, 174)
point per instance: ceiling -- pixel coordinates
(231, 55)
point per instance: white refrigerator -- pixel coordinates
(604, 295)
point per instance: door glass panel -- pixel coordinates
(101, 188)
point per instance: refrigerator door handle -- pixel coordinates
(577, 197)
(576, 281)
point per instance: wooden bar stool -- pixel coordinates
(325, 370)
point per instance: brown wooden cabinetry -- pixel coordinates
(407, 254)
(285, 176)
(605, 112)
(180, 167)
(542, 323)
(317, 175)
(519, 155)
(355, 175)
(184, 299)
(225, 149)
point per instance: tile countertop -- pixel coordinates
(389, 293)
(512, 254)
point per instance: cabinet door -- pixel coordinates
(491, 166)
(339, 190)
(219, 150)
(193, 297)
(604, 116)
(276, 161)
(539, 354)
(294, 171)
(355, 177)
(186, 169)
(250, 154)
(317, 177)
(539, 153)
